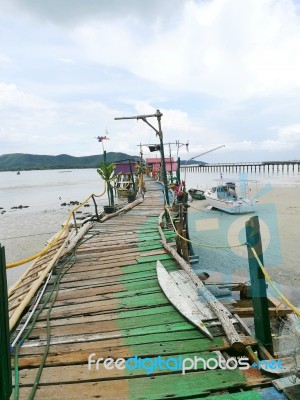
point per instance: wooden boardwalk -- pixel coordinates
(108, 302)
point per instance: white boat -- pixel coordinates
(224, 197)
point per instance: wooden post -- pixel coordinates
(178, 240)
(5, 367)
(132, 177)
(178, 170)
(258, 285)
(184, 246)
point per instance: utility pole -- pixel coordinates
(159, 133)
(258, 285)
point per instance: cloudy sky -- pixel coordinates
(222, 72)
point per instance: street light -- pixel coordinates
(159, 133)
(199, 155)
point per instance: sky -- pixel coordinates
(222, 72)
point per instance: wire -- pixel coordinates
(20, 343)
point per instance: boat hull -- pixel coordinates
(233, 207)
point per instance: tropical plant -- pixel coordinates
(106, 172)
(140, 169)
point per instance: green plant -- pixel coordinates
(106, 172)
(140, 169)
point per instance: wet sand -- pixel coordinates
(279, 215)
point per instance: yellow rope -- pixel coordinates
(203, 244)
(268, 278)
(52, 243)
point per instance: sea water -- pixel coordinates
(24, 231)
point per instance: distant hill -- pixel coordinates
(21, 161)
(192, 162)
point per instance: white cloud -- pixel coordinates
(4, 59)
(290, 134)
(31, 122)
(225, 48)
(221, 72)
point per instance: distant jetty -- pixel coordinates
(263, 166)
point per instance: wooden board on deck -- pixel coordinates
(177, 296)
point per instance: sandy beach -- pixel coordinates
(25, 233)
(279, 215)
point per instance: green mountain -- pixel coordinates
(20, 161)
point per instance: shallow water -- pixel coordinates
(24, 232)
(278, 210)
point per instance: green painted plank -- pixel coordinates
(249, 395)
(144, 300)
(173, 346)
(149, 282)
(154, 258)
(149, 266)
(186, 386)
(151, 313)
(186, 338)
(168, 262)
(175, 364)
(172, 316)
(133, 293)
(149, 246)
(159, 329)
(140, 274)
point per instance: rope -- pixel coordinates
(203, 244)
(268, 278)
(63, 270)
(52, 243)
(20, 343)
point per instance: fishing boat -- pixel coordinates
(225, 198)
(197, 194)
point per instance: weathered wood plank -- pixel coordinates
(106, 296)
(152, 345)
(76, 373)
(107, 305)
(163, 386)
(88, 327)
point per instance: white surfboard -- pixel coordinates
(177, 296)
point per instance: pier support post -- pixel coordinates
(5, 366)
(258, 285)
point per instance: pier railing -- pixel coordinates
(263, 166)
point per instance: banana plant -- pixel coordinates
(106, 172)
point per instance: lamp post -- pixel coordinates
(159, 133)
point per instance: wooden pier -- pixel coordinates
(108, 304)
(264, 166)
